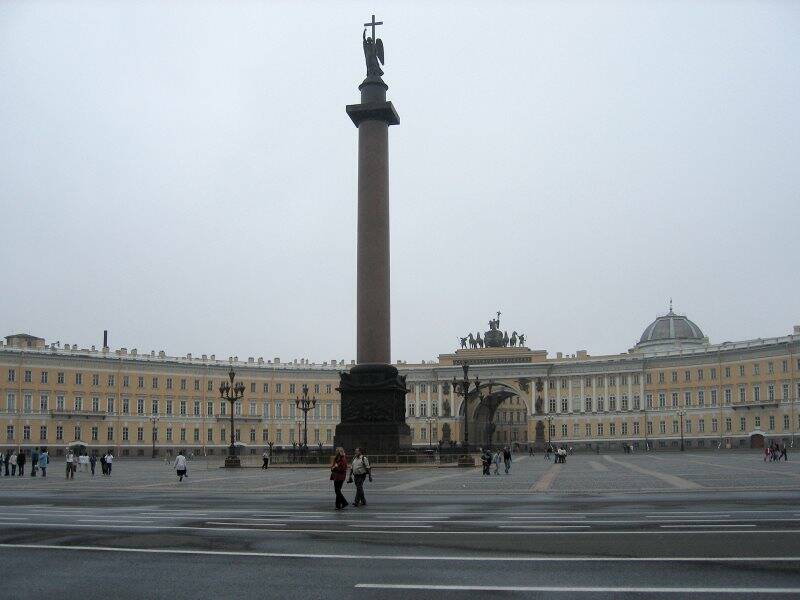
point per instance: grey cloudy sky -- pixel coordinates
(184, 174)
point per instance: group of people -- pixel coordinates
(558, 453)
(359, 471)
(80, 460)
(12, 462)
(489, 458)
(775, 452)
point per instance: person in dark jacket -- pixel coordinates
(338, 476)
(93, 462)
(21, 463)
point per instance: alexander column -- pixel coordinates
(373, 393)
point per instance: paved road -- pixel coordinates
(426, 533)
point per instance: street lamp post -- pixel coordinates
(232, 392)
(549, 429)
(154, 420)
(430, 431)
(681, 414)
(462, 388)
(305, 405)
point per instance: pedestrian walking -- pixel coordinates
(265, 459)
(486, 460)
(93, 462)
(44, 460)
(338, 476)
(547, 452)
(181, 466)
(34, 462)
(507, 458)
(783, 453)
(496, 460)
(21, 460)
(68, 460)
(109, 462)
(75, 460)
(2, 462)
(359, 471)
(13, 459)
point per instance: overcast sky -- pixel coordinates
(183, 174)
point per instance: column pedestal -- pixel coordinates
(373, 410)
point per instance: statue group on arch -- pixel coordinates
(494, 338)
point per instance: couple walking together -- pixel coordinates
(359, 471)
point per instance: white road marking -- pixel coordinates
(508, 558)
(243, 524)
(138, 521)
(545, 527)
(390, 526)
(676, 515)
(584, 590)
(726, 525)
(550, 532)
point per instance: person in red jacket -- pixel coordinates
(338, 475)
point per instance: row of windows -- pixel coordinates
(599, 429)
(169, 434)
(698, 398)
(154, 381)
(183, 407)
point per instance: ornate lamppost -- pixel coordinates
(305, 405)
(681, 414)
(549, 429)
(430, 430)
(462, 388)
(154, 419)
(232, 392)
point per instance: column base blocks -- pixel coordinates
(373, 410)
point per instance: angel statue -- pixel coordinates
(373, 53)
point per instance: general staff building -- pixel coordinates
(673, 386)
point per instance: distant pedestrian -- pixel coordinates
(547, 452)
(109, 462)
(530, 450)
(13, 460)
(21, 460)
(783, 453)
(34, 462)
(496, 461)
(507, 458)
(265, 459)
(44, 460)
(75, 462)
(93, 462)
(2, 462)
(338, 476)
(486, 461)
(180, 466)
(70, 467)
(359, 471)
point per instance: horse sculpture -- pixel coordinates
(513, 340)
(472, 343)
(521, 340)
(463, 342)
(479, 340)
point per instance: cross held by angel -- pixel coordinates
(373, 50)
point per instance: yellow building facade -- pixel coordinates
(673, 386)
